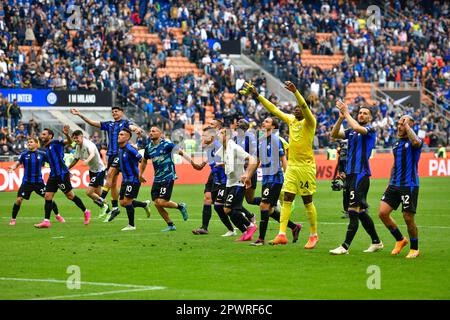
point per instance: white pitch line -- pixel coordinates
(96, 294)
(137, 288)
(105, 284)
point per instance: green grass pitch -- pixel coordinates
(149, 264)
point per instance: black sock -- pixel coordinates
(98, 203)
(351, 229)
(247, 213)
(276, 216)
(55, 208)
(223, 217)
(397, 234)
(130, 213)
(239, 220)
(104, 194)
(206, 216)
(48, 208)
(263, 223)
(414, 243)
(115, 203)
(79, 203)
(291, 225)
(170, 224)
(139, 204)
(368, 225)
(256, 201)
(15, 210)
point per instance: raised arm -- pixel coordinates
(309, 118)
(93, 123)
(337, 132)
(249, 89)
(343, 108)
(66, 133)
(136, 129)
(415, 141)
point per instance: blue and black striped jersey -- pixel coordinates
(218, 172)
(270, 151)
(32, 162)
(112, 129)
(55, 156)
(406, 158)
(359, 150)
(129, 163)
(248, 142)
(161, 155)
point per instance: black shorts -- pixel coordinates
(218, 194)
(271, 193)
(407, 196)
(55, 183)
(26, 189)
(358, 186)
(234, 197)
(209, 184)
(97, 178)
(113, 161)
(129, 190)
(162, 190)
(254, 180)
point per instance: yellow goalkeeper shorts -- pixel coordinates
(300, 180)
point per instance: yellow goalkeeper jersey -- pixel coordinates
(301, 132)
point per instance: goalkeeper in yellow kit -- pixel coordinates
(300, 176)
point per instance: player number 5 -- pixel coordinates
(352, 194)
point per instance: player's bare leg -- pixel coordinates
(171, 204)
(165, 215)
(384, 213)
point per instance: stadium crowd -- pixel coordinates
(101, 56)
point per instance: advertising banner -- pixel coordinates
(60, 98)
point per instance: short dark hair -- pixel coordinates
(128, 131)
(366, 106)
(275, 123)
(220, 123)
(50, 131)
(77, 133)
(117, 107)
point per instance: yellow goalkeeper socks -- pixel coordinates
(285, 216)
(312, 217)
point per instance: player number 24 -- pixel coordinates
(304, 185)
